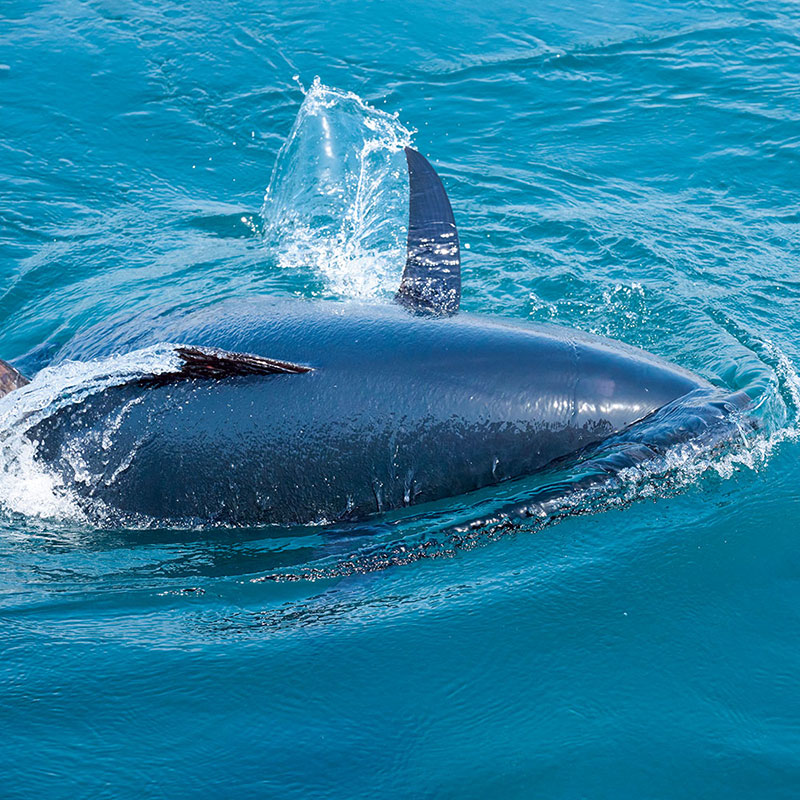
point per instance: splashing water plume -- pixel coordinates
(337, 200)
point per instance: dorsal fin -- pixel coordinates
(432, 277)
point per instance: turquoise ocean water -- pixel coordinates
(626, 168)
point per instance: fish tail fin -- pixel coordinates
(10, 378)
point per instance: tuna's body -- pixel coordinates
(398, 409)
(381, 408)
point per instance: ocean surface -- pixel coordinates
(625, 168)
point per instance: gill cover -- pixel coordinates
(432, 277)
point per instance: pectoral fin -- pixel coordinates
(207, 363)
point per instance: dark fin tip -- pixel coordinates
(200, 362)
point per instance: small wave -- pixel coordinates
(337, 199)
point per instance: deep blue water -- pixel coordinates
(626, 168)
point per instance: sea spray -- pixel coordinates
(337, 200)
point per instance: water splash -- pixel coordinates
(27, 486)
(337, 200)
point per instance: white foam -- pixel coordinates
(29, 487)
(686, 463)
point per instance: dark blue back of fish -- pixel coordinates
(398, 410)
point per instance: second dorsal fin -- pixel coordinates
(432, 278)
